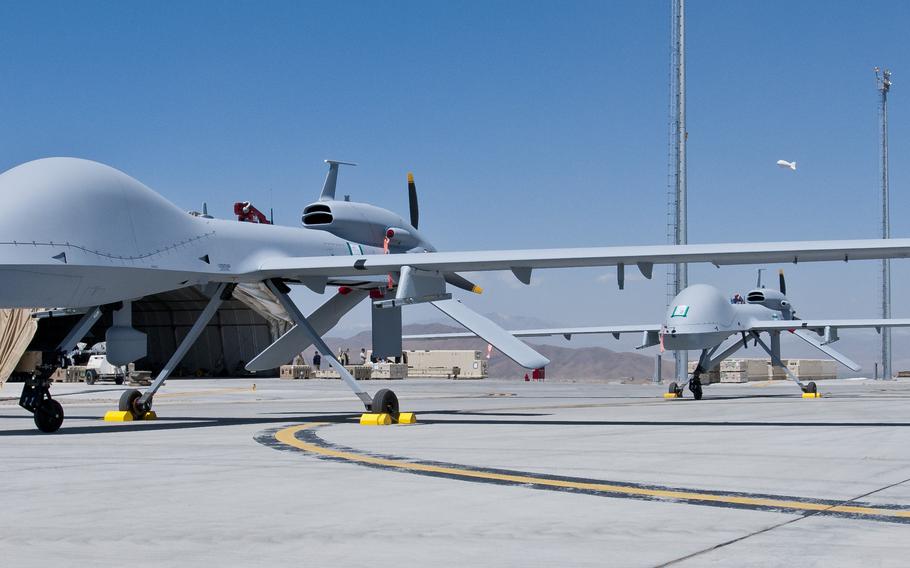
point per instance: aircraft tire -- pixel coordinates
(90, 377)
(811, 387)
(128, 402)
(695, 387)
(385, 401)
(674, 388)
(49, 416)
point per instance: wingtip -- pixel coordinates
(410, 177)
(477, 290)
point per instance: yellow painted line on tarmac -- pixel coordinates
(288, 436)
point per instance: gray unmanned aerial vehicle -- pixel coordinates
(701, 318)
(80, 234)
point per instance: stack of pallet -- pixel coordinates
(776, 373)
(712, 376)
(446, 363)
(295, 372)
(389, 371)
(359, 372)
(744, 370)
(813, 369)
(138, 378)
(72, 374)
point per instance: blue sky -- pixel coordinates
(527, 124)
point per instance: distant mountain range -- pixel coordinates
(566, 363)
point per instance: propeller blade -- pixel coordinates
(412, 200)
(460, 281)
(782, 281)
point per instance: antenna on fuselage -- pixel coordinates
(328, 188)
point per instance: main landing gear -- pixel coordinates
(383, 402)
(137, 404)
(130, 402)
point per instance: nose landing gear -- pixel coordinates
(695, 386)
(676, 390)
(49, 416)
(36, 398)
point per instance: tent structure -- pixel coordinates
(243, 326)
(17, 328)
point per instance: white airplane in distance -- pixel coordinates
(787, 165)
(701, 318)
(80, 234)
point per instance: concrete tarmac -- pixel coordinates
(495, 473)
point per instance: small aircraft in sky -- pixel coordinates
(787, 165)
(80, 234)
(702, 318)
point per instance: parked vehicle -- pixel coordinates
(99, 369)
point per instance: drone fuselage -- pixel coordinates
(78, 233)
(701, 317)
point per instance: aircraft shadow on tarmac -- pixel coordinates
(452, 417)
(184, 422)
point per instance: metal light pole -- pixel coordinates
(883, 83)
(682, 231)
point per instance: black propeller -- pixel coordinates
(460, 281)
(412, 200)
(782, 281)
(452, 278)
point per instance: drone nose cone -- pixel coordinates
(697, 318)
(82, 203)
(700, 304)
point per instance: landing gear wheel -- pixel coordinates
(118, 381)
(385, 401)
(49, 416)
(810, 388)
(90, 377)
(129, 402)
(675, 389)
(695, 387)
